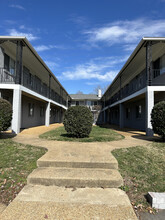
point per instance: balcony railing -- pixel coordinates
(33, 83)
(6, 76)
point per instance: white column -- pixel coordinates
(121, 116)
(16, 121)
(149, 107)
(47, 115)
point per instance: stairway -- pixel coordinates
(72, 182)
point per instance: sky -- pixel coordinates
(85, 43)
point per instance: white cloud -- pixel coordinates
(126, 31)
(29, 36)
(17, 6)
(51, 64)
(40, 48)
(101, 69)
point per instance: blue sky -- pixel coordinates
(84, 43)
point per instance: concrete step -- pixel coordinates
(70, 164)
(79, 155)
(52, 202)
(76, 177)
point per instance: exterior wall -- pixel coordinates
(132, 121)
(114, 115)
(35, 120)
(159, 80)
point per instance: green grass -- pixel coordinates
(98, 134)
(16, 163)
(143, 171)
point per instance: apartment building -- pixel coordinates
(139, 85)
(37, 97)
(92, 101)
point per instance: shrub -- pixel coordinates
(158, 119)
(5, 114)
(78, 121)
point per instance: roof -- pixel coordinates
(143, 41)
(84, 96)
(27, 43)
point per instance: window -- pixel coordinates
(9, 64)
(77, 102)
(138, 111)
(128, 111)
(6, 62)
(88, 103)
(31, 109)
(12, 66)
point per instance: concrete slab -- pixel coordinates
(41, 202)
(75, 177)
(2, 207)
(78, 155)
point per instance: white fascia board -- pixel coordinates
(24, 89)
(9, 86)
(156, 88)
(126, 99)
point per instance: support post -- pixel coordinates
(121, 117)
(149, 63)
(149, 107)
(16, 121)
(19, 51)
(47, 115)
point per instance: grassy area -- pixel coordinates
(16, 163)
(143, 171)
(97, 134)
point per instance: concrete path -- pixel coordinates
(73, 180)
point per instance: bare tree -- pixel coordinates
(103, 89)
(79, 92)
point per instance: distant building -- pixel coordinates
(92, 101)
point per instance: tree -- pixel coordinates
(79, 92)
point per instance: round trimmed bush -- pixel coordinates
(5, 114)
(158, 119)
(78, 121)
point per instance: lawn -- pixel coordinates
(16, 163)
(98, 134)
(143, 171)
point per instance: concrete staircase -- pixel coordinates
(76, 175)
(73, 183)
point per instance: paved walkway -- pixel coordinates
(54, 189)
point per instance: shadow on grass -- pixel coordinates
(135, 133)
(7, 135)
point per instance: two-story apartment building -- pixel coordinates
(92, 101)
(140, 84)
(36, 95)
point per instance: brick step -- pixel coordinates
(76, 177)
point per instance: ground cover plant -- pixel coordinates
(158, 119)
(98, 134)
(143, 171)
(78, 121)
(16, 163)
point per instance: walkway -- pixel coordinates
(73, 181)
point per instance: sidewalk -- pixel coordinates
(54, 189)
